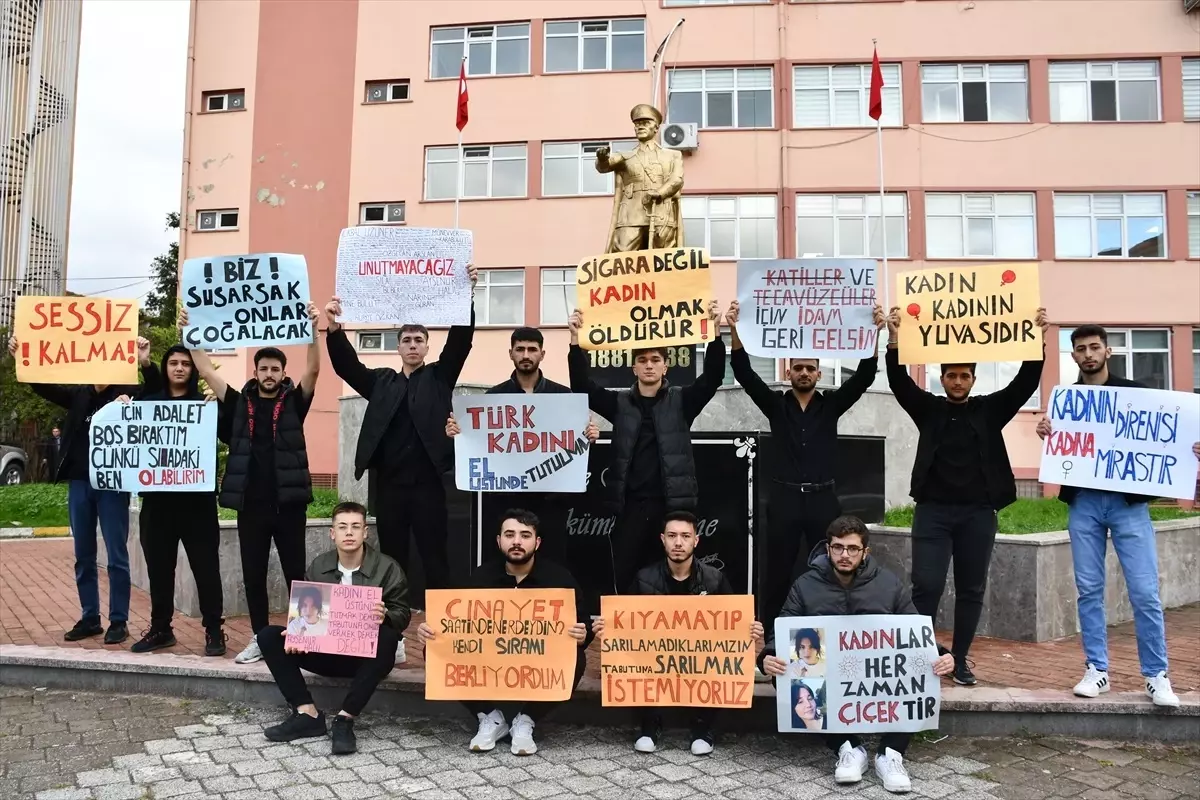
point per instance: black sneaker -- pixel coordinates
(214, 642)
(297, 726)
(117, 633)
(153, 639)
(342, 731)
(89, 626)
(963, 675)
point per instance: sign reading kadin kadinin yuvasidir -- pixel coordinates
(500, 644)
(857, 674)
(148, 446)
(960, 315)
(521, 442)
(807, 308)
(647, 298)
(76, 340)
(405, 275)
(677, 651)
(246, 301)
(333, 618)
(1122, 439)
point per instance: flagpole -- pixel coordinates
(882, 215)
(458, 186)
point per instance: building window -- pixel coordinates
(989, 377)
(838, 96)
(378, 341)
(847, 225)
(1196, 360)
(500, 297)
(1109, 226)
(836, 371)
(1001, 225)
(1193, 216)
(1139, 354)
(387, 91)
(1104, 91)
(975, 92)
(490, 50)
(225, 101)
(381, 214)
(225, 219)
(721, 98)
(488, 171)
(569, 168)
(731, 227)
(595, 45)
(1191, 89)
(765, 368)
(558, 295)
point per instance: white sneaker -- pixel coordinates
(1159, 689)
(889, 768)
(1094, 683)
(401, 656)
(645, 744)
(851, 763)
(250, 654)
(492, 728)
(522, 736)
(701, 747)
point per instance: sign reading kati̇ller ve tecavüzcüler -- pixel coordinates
(256, 300)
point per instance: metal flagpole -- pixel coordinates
(458, 185)
(882, 215)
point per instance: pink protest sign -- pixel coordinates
(333, 618)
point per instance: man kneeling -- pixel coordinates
(353, 563)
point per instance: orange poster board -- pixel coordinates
(677, 651)
(500, 644)
(76, 340)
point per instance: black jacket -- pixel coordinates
(293, 483)
(1068, 493)
(656, 579)
(545, 574)
(988, 414)
(543, 386)
(377, 570)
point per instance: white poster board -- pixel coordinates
(255, 300)
(156, 446)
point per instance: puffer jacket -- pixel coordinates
(703, 580)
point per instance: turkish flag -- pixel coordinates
(461, 119)
(875, 104)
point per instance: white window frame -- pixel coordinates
(585, 158)
(483, 288)
(219, 222)
(581, 33)
(1093, 216)
(389, 89)
(892, 93)
(492, 37)
(965, 215)
(1196, 360)
(933, 380)
(477, 152)
(986, 77)
(756, 362)
(690, 202)
(1193, 222)
(704, 92)
(1069, 373)
(831, 368)
(389, 213)
(232, 100)
(1191, 90)
(555, 278)
(868, 201)
(360, 336)
(1096, 71)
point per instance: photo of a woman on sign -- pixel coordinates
(807, 656)
(305, 617)
(808, 705)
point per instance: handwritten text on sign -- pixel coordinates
(521, 443)
(405, 275)
(154, 447)
(76, 340)
(877, 676)
(961, 315)
(500, 644)
(333, 618)
(1122, 439)
(677, 651)
(647, 298)
(246, 301)
(807, 308)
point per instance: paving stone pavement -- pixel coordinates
(92, 746)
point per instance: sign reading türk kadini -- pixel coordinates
(76, 340)
(333, 618)
(857, 674)
(256, 300)
(405, 275)
(148, 446)
(645, 298)
(1122, 439)
(807, 308)
(521, 443)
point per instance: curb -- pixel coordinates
(49, 532)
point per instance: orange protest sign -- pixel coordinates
(76, 340)
(677, 651)
(500, 644)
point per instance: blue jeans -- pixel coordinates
(1092, 515)
(85, 506)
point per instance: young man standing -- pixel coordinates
(653, 470)
(1092, 516)
(86, 505)
(352, 562)
(961, 479)
(521, 568)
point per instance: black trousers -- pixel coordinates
(896, 741)
(258, 526)
(165, 521)
(635, 541)
(365, 673)
(700, 726)
(419, 510)
(796, 524)
(967, 533)
(535, 710)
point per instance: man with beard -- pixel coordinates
(521, 568)
(1093, 515)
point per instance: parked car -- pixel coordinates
(13, 461)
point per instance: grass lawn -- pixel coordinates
(1034, 516)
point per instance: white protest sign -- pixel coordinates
(857, 674)
(521, 442)
(807, 307)
(154, 447)
(246, 301)
(404, 275)
(1122, 439)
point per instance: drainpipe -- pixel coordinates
(188, 116)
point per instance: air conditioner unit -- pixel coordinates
(681, 136)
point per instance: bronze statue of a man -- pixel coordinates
(646, 187)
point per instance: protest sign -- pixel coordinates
(677, 651)
(962, 315)
(246, 301)
(76, 340)
(1122, 439)
(405, 275)
(613, 369)
(154, 447)
(647, 298)
(500, 644)
(333, 618)
(807, 308)
(857, 674)
(521, 443)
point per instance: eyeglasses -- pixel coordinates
(850, 550)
